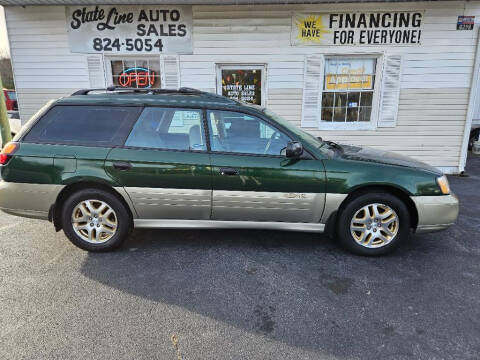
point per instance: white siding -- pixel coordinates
(435, 82)
(44, 67)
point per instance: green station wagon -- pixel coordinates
(99, 163)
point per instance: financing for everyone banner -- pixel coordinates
(357, 28)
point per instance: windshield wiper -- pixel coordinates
(333, 145)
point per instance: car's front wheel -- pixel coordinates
(95, 220)
(373, 223)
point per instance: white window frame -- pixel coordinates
(240, 66)
(377, 89)
(107, 63)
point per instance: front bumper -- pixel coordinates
(435, 213)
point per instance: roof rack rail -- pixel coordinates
(190, 90)
(85, 91)
(183, 90)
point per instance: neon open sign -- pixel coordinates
(137, 77)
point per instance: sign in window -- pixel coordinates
(135, 73)
(242, 83)
(348, 89)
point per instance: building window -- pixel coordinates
(135, 73)
(242, 82)
(348, 89)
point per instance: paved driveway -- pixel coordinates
(242, 294)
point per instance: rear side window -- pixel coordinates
(168, 128)
(84, 125)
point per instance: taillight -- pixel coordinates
(8, 150)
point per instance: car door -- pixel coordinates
(252, 180)
(164, 166)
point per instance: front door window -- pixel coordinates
(241, 133)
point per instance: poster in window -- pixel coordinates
(349, 74)
(243, 85)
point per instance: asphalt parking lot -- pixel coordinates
(242, 294)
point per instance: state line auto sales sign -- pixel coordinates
(130, 29)
(357, 28)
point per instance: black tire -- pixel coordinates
(348, 211)
(122, 218)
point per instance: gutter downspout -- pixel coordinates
(472, 101)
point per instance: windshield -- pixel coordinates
(292, 128)
(12, 95)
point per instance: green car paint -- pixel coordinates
(345, 176)
(54, 164)
(57, 164)
(276, 174)
(153, 168)
(324, 170)
(364, 166)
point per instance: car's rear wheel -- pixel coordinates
(373, 223)
(95, 220)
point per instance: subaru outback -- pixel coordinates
(100, 163)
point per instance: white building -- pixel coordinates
(390, 75)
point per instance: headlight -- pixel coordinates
(443, 183)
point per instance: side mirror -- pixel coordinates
(294, 150)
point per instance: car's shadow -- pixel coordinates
(298, 288)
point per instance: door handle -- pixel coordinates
(228, 171)
(122, 165)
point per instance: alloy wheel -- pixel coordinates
(94, 221)
(374, 225)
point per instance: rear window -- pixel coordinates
(84, 125)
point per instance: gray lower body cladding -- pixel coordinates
(191, 208)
